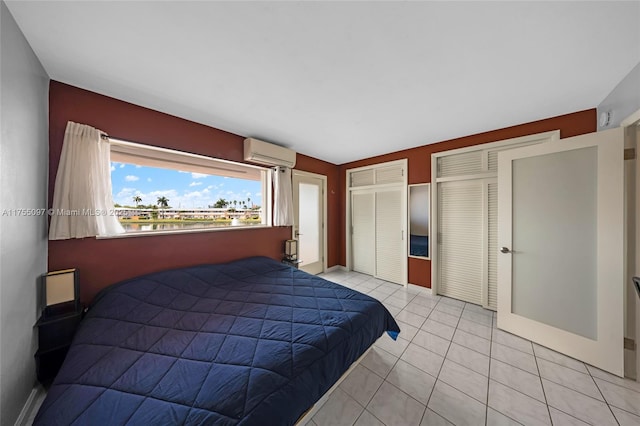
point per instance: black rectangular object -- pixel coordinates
(48, 363)
(57, 331)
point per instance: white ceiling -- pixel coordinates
(341, 81)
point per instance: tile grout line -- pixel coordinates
(426, 405)
(489, 379)
(603, 397)
(515, 390)
(440, 370)
(544, 393)
(370, 399)
(486, 414)
(384, 379)
(491, 341)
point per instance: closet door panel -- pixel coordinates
(363, 232)
(461, 243)
(390, 243)
(492, 254)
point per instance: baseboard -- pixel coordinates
(30, 405)
(421, 288)
(336, 268)
(630, 364)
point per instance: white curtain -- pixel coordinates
(82, 200)
(283, 197)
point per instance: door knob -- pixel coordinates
(505, 250)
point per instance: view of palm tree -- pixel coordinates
(163, 203)
(221, 203)
(141, 195)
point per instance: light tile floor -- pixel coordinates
(452, 366)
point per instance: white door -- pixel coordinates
(561, 243)
(461, 239)
(390, 235)
(308, 228)
(363, 232)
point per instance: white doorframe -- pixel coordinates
(323, 178)
(348, 189)
(631, 122)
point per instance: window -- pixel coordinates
(157, 189)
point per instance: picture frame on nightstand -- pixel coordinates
(60, 318)
(60, 293)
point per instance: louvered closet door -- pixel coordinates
(461, 243)
(390, 243)
(363, 241)
(492, 253)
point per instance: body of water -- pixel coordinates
(132, 227)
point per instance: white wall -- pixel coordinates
(24, 151)
(623, 101)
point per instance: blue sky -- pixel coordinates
(182, 189)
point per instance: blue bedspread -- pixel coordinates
(252, 342)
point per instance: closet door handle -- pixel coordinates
(505, 250)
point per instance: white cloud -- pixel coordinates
(122, 165)
(126, 193)
(164, 193)
(113, 167)
(138, 166)
(194, 193)
(131, 178)
(125, 196)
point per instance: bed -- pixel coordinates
(250, 342)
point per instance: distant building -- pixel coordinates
(209, 213)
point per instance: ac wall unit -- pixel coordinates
(266, 153)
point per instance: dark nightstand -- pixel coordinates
(292, 262)
(54, 338)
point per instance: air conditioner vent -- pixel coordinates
(260, 152)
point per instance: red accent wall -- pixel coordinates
(106, 261)
(419, 161)
(334, 196)
(102, 262)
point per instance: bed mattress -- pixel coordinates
(252, 342)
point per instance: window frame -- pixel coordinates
(152, 156)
